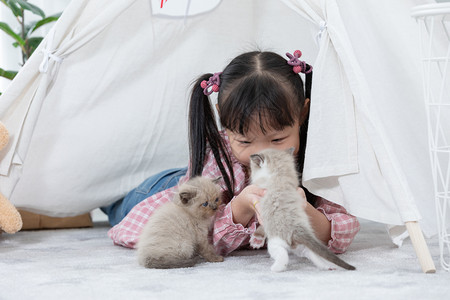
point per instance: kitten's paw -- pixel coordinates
(257, 241)
(278, 267)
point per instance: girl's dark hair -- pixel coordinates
(253, 85)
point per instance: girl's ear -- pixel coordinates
(257, 159)
(305, 111)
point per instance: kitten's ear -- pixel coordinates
(216, 181)
(257, 159)
(186, 196)
(290, 150)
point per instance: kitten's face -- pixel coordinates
(270, 162)
(201, 196)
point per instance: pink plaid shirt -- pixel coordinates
(228, 236)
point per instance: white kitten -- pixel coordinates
(286, 224)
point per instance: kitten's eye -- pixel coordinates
(205, 204)
(217, 199)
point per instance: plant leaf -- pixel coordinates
(14, 7)
(8, 74)
(33, 43)
(31, 7)
(47, 20)
(5, 27)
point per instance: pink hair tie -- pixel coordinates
(213, 83)
(298, 65)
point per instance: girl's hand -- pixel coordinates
(243, 205)
(251, 195)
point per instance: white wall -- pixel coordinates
(10, 57)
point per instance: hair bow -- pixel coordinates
(213, 83)
(298, 65)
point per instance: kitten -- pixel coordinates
(286, 224)
(177, 232)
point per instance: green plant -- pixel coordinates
(23, 39)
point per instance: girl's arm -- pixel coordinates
(343, 226)
(229, 235)
(331, 223)
(236, 222)
(319, 222)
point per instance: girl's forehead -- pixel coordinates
(255, 131)
(257, 122)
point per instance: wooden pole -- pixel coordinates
(420, 246)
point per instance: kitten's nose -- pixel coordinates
(213, 206)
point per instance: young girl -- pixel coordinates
(261, 104)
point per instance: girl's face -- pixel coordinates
(255, 141)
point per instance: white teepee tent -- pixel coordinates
(101, 105)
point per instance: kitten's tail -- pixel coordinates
(168, 263)
(320, 249)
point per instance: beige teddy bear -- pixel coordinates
(10, 219)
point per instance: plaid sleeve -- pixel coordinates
(127, 232)
(228, 236)
(344, 226)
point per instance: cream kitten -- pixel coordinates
(177, 232)
(286, 224)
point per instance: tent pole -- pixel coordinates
(421, 248)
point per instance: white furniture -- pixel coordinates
(434, 30)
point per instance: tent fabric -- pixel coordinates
(24, 119)
(362, 150)
(111, 117)
(113, 111)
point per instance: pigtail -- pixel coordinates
(308, 82)
(197, 127)
(304, 135)
(203, 131)
(304, 125)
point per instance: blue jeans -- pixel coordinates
(152, 185)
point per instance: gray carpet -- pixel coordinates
(84, 264)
